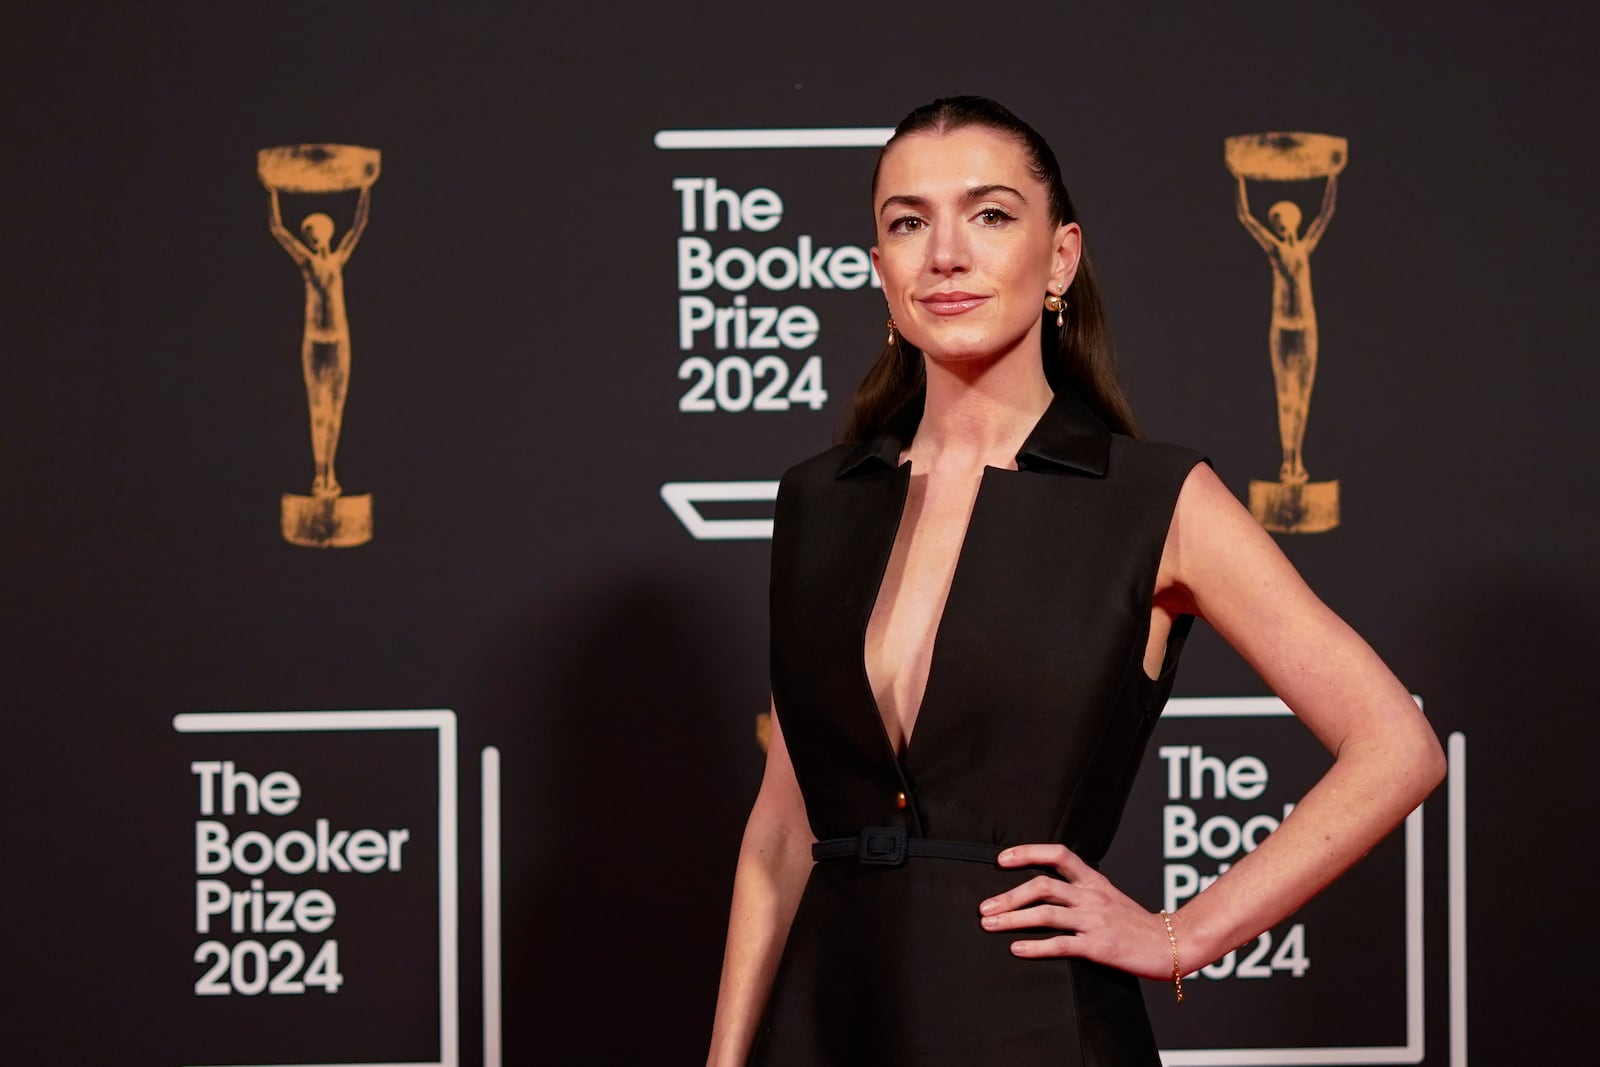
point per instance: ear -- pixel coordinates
(1064, 256)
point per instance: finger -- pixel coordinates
(1042, 890)
(1060, 857)
(1039, 888)
(1049, 947)
(1040, 915)
(1032, 855)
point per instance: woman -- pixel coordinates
(977, 607)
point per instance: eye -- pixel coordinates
(993, 216)
(906, 224)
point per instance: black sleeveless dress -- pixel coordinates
(1036, 714)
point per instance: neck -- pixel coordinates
(980, 413)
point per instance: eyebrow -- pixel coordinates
(977, 192)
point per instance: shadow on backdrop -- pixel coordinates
(1512, 674)
(623, 830)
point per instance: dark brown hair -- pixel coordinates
(890, 396)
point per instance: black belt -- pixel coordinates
(888, 846)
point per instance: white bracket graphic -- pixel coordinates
(682, 498)
(849, 137)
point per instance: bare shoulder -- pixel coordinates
(1219, 564)
(1213, 541)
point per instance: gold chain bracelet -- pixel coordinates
(1177, 971)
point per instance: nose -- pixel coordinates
(948, 250)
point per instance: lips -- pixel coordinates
(954, 302)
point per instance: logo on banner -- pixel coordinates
(1293, 503)
(324, 518)
(750, 300)
(323, 886)
(1221, 776)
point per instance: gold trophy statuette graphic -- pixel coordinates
(1293, 503)
(326, 518)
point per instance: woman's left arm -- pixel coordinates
(1221, 565)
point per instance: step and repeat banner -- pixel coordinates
(394, 404)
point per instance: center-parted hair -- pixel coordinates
(1078, 357)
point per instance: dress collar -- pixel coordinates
(1068, 434)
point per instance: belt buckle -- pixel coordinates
(882, 846)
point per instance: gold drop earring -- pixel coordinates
(891, 331)
(1054, 302)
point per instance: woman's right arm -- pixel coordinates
(774, 860)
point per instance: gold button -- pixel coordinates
(900, 801)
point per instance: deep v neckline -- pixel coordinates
(899, 755)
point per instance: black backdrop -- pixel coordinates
(514, 411)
